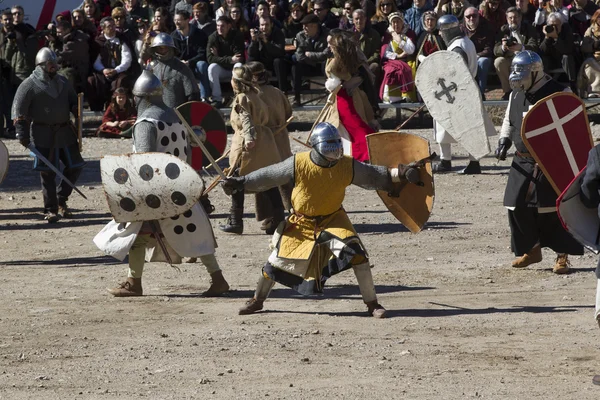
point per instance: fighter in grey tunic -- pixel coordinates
(41, 113)
(529, 197)
(179, 83)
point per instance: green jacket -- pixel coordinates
(13, 59)
(370, 44)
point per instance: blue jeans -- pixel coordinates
(202, 75)
(483, 69)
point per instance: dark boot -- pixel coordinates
(472, 169)
(63, 209)
(442, 167)
(278, 216)
(130, 288)
(375, 309)
(218, 285)
(206, 204)
(235, 222)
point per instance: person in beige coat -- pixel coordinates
(253, 145)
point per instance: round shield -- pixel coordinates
(209, 125)
(3, 161)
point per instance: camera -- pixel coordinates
(549, 28)
(510, 41)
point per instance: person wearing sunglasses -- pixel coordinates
(18, 14)
(379, 21)
(483, 39)
(322, 9)
(346, 18)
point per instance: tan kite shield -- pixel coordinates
(557, 133)
(454, 100)
(3, 161)
(149, 186)
(413, 207)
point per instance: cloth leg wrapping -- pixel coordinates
(365, 281)
(211, 263)
(446, 151)
(263, 287)
(137, 255)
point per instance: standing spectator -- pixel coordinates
(346, 19)
(452, 7)
(557, 48)
(268, 47)
(430, 39)
(293, 25)
(380, 20)
(119, 117)
(588, 80)
(81, 23)
(191, 43)
(11, 58)
(202, 18)
(413, 16)
(527, 10)
(112, 67)
(514, 36)
(328, 20)
(18, 15)
(225, 49)
(483, 38)
(311, 53)
(398, 79)
(72, 50)
(369, 42)
(493, 12)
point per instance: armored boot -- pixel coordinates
(130, 288)
(473, 168)
(274, 221)
(531, 257)
(442, 167)
(235, 222)
(263, 288)
(562, 264)
(218, 285)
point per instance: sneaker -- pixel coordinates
(51, 217)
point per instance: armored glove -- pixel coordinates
(504, 144)
(233, 185)
(22, 130)
(410, 173)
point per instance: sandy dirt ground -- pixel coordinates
(462, 324)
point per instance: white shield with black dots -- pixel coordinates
(190, 233)
(149, 186)
(172, 139)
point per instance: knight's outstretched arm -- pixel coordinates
(373, 177)
(144, 137)
(269, 177)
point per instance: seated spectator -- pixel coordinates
(135, 10)
(112, 68)
(311, 53)
(142, 28)
(588, 80)
(162, 14)
(328, 20)
(81, 23)
(277, 12)
(293, 25)
(413, 16)
(398, 81)
(548, 7)
(120, 17)
(430, 40)
(452, 7)
(528, 10)
(262, 10)
(185, 5)
(403, 5)
(369, 42)
(225, 49)
(92, 12)
(557, 48)
(268, 47)
(202, 18)
(580, 13)
(239, 22)
(346, 18)
(119, 117)
(483, 38)
(155, 29)
(493, 12)
(72, 50)
(224, 9)
(191, 43)
(379, 21)
(514, 36)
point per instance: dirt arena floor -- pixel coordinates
(462, 324)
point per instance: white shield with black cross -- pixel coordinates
(149, 186)
(454, 100)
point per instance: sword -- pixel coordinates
(39, 155)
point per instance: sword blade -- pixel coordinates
(54, 169)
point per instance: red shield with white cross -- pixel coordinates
(557, 134)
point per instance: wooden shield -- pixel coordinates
(209, 125)
(415, 203)
(557, 133)
(581, 222)
(3, 161)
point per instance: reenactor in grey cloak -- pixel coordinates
(41, 115)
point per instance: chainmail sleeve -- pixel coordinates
(272, 176)
(144, 137)
(371, 177)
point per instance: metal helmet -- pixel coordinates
(147, 85)
(525, 70)
(450, 28)
(326, 140)
(44, 55)
(163, 39)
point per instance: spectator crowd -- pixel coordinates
(103, 45)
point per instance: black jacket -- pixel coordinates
(266, 53)
(226, 48)
(193, 48)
